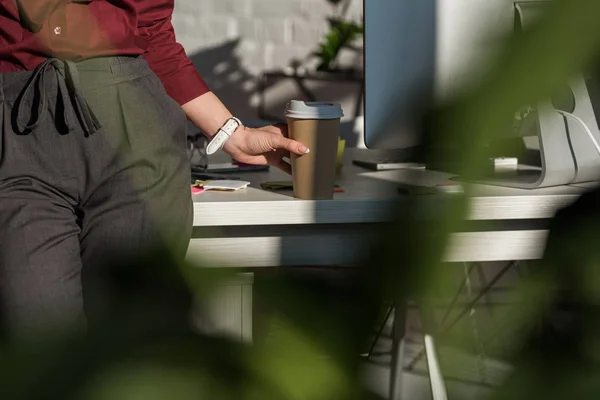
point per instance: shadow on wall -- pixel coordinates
(224, 73)
(239, 89)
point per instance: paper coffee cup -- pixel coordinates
(317, 126)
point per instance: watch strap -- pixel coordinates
(223, 135)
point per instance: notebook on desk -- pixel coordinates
(381, 160)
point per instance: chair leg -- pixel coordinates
(398, 340)
(436, 379)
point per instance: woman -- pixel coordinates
(93, 168)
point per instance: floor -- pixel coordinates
(472, 341)
(474, 333)
(464, 383)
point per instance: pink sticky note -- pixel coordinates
(196, 190)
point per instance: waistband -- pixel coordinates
(96, 72)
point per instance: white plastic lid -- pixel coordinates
(313, 110)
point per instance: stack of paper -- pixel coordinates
(222, 184)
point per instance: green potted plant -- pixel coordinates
(322, 65)
(342, 35)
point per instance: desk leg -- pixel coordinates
(228, 312)
(398, 340)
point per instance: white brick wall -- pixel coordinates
(289, 27)
(270, 32)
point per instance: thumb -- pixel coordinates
(290, 145)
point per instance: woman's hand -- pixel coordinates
(267, 145)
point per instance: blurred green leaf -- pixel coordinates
(295, 368)
(314, 354)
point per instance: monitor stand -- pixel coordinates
(568, 154)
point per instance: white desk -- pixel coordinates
(254, 228)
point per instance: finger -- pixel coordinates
(279, 142)
(253, 160)
(280, 129)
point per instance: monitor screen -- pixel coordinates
(422, 50)
(399, 67)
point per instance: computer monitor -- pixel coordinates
(417, 50)
(420, 50)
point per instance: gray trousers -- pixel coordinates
(95, 204)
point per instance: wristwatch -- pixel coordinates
(223, 135)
